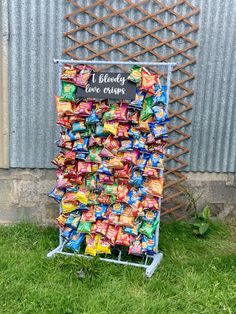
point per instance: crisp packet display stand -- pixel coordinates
(148, 262)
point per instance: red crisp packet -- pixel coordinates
(83, 109)
(111, 144)
(123, 173)
(111, 233)
(100, 227)
(155, 187)
(113, 219)
(64, 121)
(84, 167)
(82, 77)
(69, 156)
(68, 73)
(89, 215)
(104, 199)
(122, 193)
(70, 197)
(151, 202)
(148, 81)
(123, 238)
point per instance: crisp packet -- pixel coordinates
(84, 227)
(131, 156)
(104, 169)
(100, 227)
(160, 95)
(151, 202)
(134, 230)
(64, 121)
(146, 112)
(105, 153)
(111, 114)
(103, 246)
(68, 207)
(84, 167)
(160, 114)
(126, 221)
(134, 132)
(149, 245)
(92, 241)
(94, 141)
(111, 144)
(68, 73)
(135, 248)
(133, 116)
(61, 220)
(100, 211)
(91, 181)
(121, 113)
(158, 131)
(126, 145)
(84, 108)
(148, 229)
(118, 208)
(104, 178)
(135, 74)
(81, 145)
(150, 216)
(155, 187)
(113, 219)
(137, 103)
(75, 242)
(150, 172)
(123, 173)
(57, 194)
(59, 160)
(148, 81)
(122, 131)
(82, 196)
(93, 154)
(136, 178)
(63, 107)
(68, 91)
(101, 107)
(157, 161)
(89, 215)
(72, 221)
(123, 238)
(110, 189)
(111, 233)
(93, 118)
(99, 131)
(82, 77)
(67, 232)
(78, 126)
(140, 143)
(111, 127)
(142, 161)
(122, 193)
(69, 156)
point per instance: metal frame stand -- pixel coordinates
(155, 259)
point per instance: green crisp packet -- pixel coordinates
(68, 91)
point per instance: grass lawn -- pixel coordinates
(196, 275)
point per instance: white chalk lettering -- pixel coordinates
(95, 89)
(93, 78)
(105, 78)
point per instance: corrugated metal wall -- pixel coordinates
(36, 29)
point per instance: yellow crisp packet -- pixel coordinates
(82, 197)
(68, 207)
(103, 246)
(92, 241)
(111, 127)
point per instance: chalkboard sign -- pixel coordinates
(104, 85)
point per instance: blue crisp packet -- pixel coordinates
(137, 103)
(93, 118)
(104, 169)
(142, 161)
(134, 198)
(99, 131)
(150, 216)
(149, 245)
(126, 145)
(118, 208)
(75, 241)
(72, 221)
(134, 132)
(160, 114)
(81, 145)
(67, 233)
(78, 126)
(80, 156)
(57, 194)
(156, 160)
(160, 95)
(100, 211)
(72, 135)
(158, 131)
(140, 143)
(136, 178)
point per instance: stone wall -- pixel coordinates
(23, 194)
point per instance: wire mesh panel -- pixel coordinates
(148, 30)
